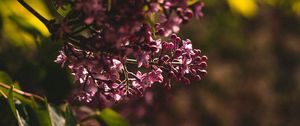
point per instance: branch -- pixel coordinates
(35, 13)
(133, 61)
(22, 92)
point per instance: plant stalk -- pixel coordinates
(35, 13)
(22, 92)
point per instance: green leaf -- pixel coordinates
(42, 113)
(6, 90)
(26, 26)
(70, 119)
(46, 114)
(151, 21)
(51, 7)
(112, 118)
(49, 115)
(16, 85)
(21, 120)
(191, 2)
(11, 103)
(4, 78)
(65, 11)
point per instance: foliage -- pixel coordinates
(24, 108)
(29, 109)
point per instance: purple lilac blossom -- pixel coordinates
(105, 39)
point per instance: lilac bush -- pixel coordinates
(116, 49)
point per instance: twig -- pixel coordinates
(35, 13)
(133, 61)
(3, 94)
(22, 92)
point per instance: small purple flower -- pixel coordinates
(61, 58)
(142, 58)
(170, 25)
(153, 76)
(197, 9)
(145, 80)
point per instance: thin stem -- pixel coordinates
(22, 92)
(90, 73)
(80, 29)
(132, 74)
(133, 61)
(126, 78)
(35, 13)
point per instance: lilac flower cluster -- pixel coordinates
(104, 38)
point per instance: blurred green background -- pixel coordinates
(253, 75)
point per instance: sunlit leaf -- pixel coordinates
(112, 118)
(191, 2)
(15, 34)
(247, 8)
(9, 8)
(27, 27)
(296, 7)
